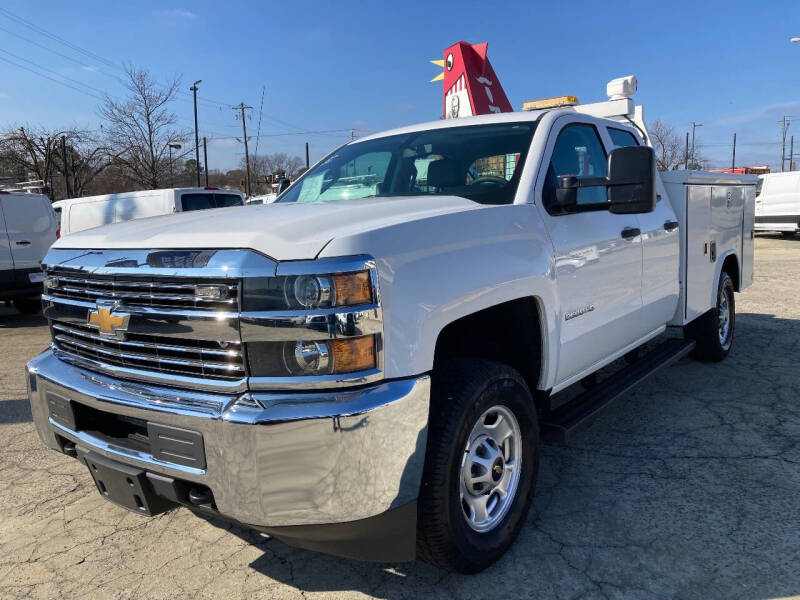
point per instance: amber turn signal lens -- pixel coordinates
(354, 354)
(352, 288)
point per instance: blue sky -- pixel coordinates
(364, 65)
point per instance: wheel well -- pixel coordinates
(731, 267)
(509, 333)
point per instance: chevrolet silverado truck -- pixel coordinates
(365, 366)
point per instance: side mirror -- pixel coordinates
(632, 180)
(567, 193)
(630, 184)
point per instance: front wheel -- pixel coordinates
(480, 467)
(713, 331)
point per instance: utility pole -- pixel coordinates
(196, 139)
(694, 126)
(205, 159)
(784, 126)
(306, 155)
(242, 107)
(733, 160)
(686, 153)
(66, 166)
(791, 153)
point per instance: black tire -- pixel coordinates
(28, 306)
(463, 390)
(788, 234)
(706, 329)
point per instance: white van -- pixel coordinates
(778, 202)
(76, 214)
(27, 230)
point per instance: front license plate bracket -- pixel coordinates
(124, 485)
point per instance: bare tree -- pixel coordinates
(87, 159)
(264, 166)
(32, 152)
(670, 148)
(36, 153)
(667, 146)
(141, 128)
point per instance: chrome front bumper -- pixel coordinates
(297, 459)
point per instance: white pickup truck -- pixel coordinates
(365, 366)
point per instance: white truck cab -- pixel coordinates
(77, 214)
(365, 366)
(27, 229)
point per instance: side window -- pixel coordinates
(578, 152)
(622, 138)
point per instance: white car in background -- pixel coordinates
(27, 229)
(77, 214)
(264, 199)
(778, 203)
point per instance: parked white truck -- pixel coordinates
(364, 367)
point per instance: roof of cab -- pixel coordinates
(509, 117)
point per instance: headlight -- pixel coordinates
(305, 292)
(329, 357)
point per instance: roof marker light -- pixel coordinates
(550, 103)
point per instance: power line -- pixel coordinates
(57, 38)
(320, 132)
(38, 66)
(90, 54)
(50, 78)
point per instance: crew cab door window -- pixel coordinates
(622, 138)
(579, 153)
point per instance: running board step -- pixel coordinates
(578, 413)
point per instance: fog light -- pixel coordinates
(211, 292)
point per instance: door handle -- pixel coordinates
(670, 225)
(23, 243)
(630, 232)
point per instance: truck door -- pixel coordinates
(598, 255)
(660, 251)
(6, 261)
(31, 228)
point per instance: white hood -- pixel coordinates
(289, 231)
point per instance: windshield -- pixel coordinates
(480, 162)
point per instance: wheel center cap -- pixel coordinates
(497, 470)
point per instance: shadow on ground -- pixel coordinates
(11, 319)
(15, 411)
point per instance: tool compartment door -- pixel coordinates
(748, 235)
(699, 267)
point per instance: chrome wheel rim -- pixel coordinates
(724, 318)
(490, 469)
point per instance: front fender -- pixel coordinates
(434, 271)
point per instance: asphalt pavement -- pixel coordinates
(688, 487)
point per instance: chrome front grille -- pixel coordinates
(187, 357)
(157, 292)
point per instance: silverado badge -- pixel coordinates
(105, 320)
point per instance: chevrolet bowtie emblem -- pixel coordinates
(106, 321)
